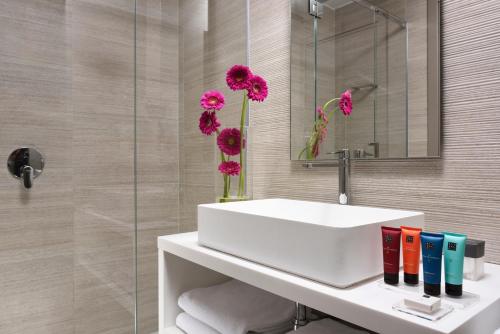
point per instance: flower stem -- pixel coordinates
(314, 134)
(345, 132)
(241, 184)
(328, 103)
(226, 179)
(227, 183)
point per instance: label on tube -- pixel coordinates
(411, 253)
(391, 244)
(454, 251)
(432, 253)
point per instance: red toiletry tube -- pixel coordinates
(391, 243)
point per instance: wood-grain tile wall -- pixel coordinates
(36, 227)
(67, 87)
(157, 145)
(461, 191)
(213, 38)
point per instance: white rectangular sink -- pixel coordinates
(339, 245)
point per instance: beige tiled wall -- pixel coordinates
(66, 247)
(158, 178)
(36, 228)
(101, 41)
(198, 154)
(67, 86)
(213, 38)
(459, 192)
(184, 47)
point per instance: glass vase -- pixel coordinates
(238, 185)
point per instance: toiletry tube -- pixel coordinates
(454, 251)
(411, 253)
(432, 253)
(391, 241)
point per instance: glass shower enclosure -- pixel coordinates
(107, 91)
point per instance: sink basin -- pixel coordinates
(339, 245)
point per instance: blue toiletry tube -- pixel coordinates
(454, 250)
(432, 253)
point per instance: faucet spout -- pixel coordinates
(344, 176)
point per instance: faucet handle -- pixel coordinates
(27, 176)
(26, 164)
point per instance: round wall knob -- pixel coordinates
(26, 164)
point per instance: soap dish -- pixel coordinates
(440, 313)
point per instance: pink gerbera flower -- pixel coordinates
(229, 168)
(237, 77)
(209, 122)
(229, 141)
(212, 100)
(345, 103)
(257, 88)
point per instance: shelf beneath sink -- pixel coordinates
(184, 264)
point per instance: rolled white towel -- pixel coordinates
(280, 329)
(327, 326)
(192, 325)
(237, 308)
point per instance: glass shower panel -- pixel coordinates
(184, 47)
(326, 70)
(346, 59)
(303, 83)
(158, 89)
(102, 101)
(67, 244)
(391, 110)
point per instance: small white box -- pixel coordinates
(423, 303)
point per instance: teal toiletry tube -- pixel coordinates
(432, 254)
(454, 251)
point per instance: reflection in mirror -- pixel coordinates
(386, 53)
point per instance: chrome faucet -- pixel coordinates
(344, 176)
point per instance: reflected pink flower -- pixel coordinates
(231, 168)
(315, 149)
(345, 103)
(322, 114)
(257, 89)
(208, 122)
(229, 141)
(237, 77)
(212, 100)
(323, 132)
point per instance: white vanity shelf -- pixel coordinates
(184, 265)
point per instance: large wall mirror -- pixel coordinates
(387, 54)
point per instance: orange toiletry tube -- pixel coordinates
(411, 253)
